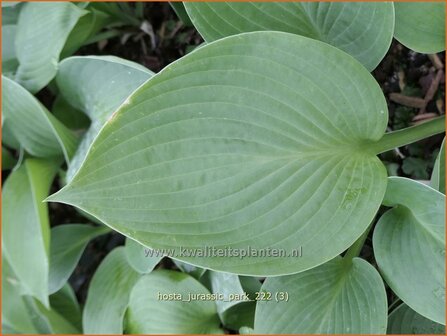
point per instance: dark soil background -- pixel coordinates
(413, 85)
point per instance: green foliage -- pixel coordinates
(25, 218)
(364, 30)
(409, 245)
(421, 25)
(147, 314)
(344, 296)
(68, 243)
(266, 137)
(38, 25)
(138, 257)
(97, 86)
(108, 295)
(37, 130)
(438, 176)
(214, 157)
(404, 320)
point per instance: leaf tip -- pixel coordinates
(57, 197)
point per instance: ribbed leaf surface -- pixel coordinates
(364, 30)
(254, 141)
(334, 298)
(148, 314)
(409, 245)
(108, 295)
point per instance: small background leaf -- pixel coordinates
(42, 30)
(97, 86)
(362, 29)
(108, 295)
(409, 246)
(68, 242)
(334, 298)
(66, 304)
(25, 219)
(420, 26)
(404, 320)
(137, 258)
(438, 175)
(37, 130)
(149, 315)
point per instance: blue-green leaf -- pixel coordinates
(255, 141)
(409, 246)
(25, 219)
(42, 30)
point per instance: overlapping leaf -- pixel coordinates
(438, 175)
(10, 13)
(42, 30)
(194, 271)
(49, 321)
(37, 130)
(8, 161)
(67, 245)
(108, 295)
(97, 86)
(138, 257)
(237, 309)
(420, 26)
(254, 141)
(335, 298)
(22, 314)
(148, 314)
(9, 58)
(409, 246)
(86, 27)
(14, 310)
(68, 115)
(25, 219)
(364, 30)
(404, 320)
(66, 304)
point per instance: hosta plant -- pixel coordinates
(268, 137)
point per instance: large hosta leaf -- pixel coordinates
(254, 141)
(25, 219)
(409, 245)
(338, 297)
(149, 313)
(97, 86)
(421, 25)
(108, 295)
(404, 320)
(364, 30)
(37, 130)
(42, 30)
